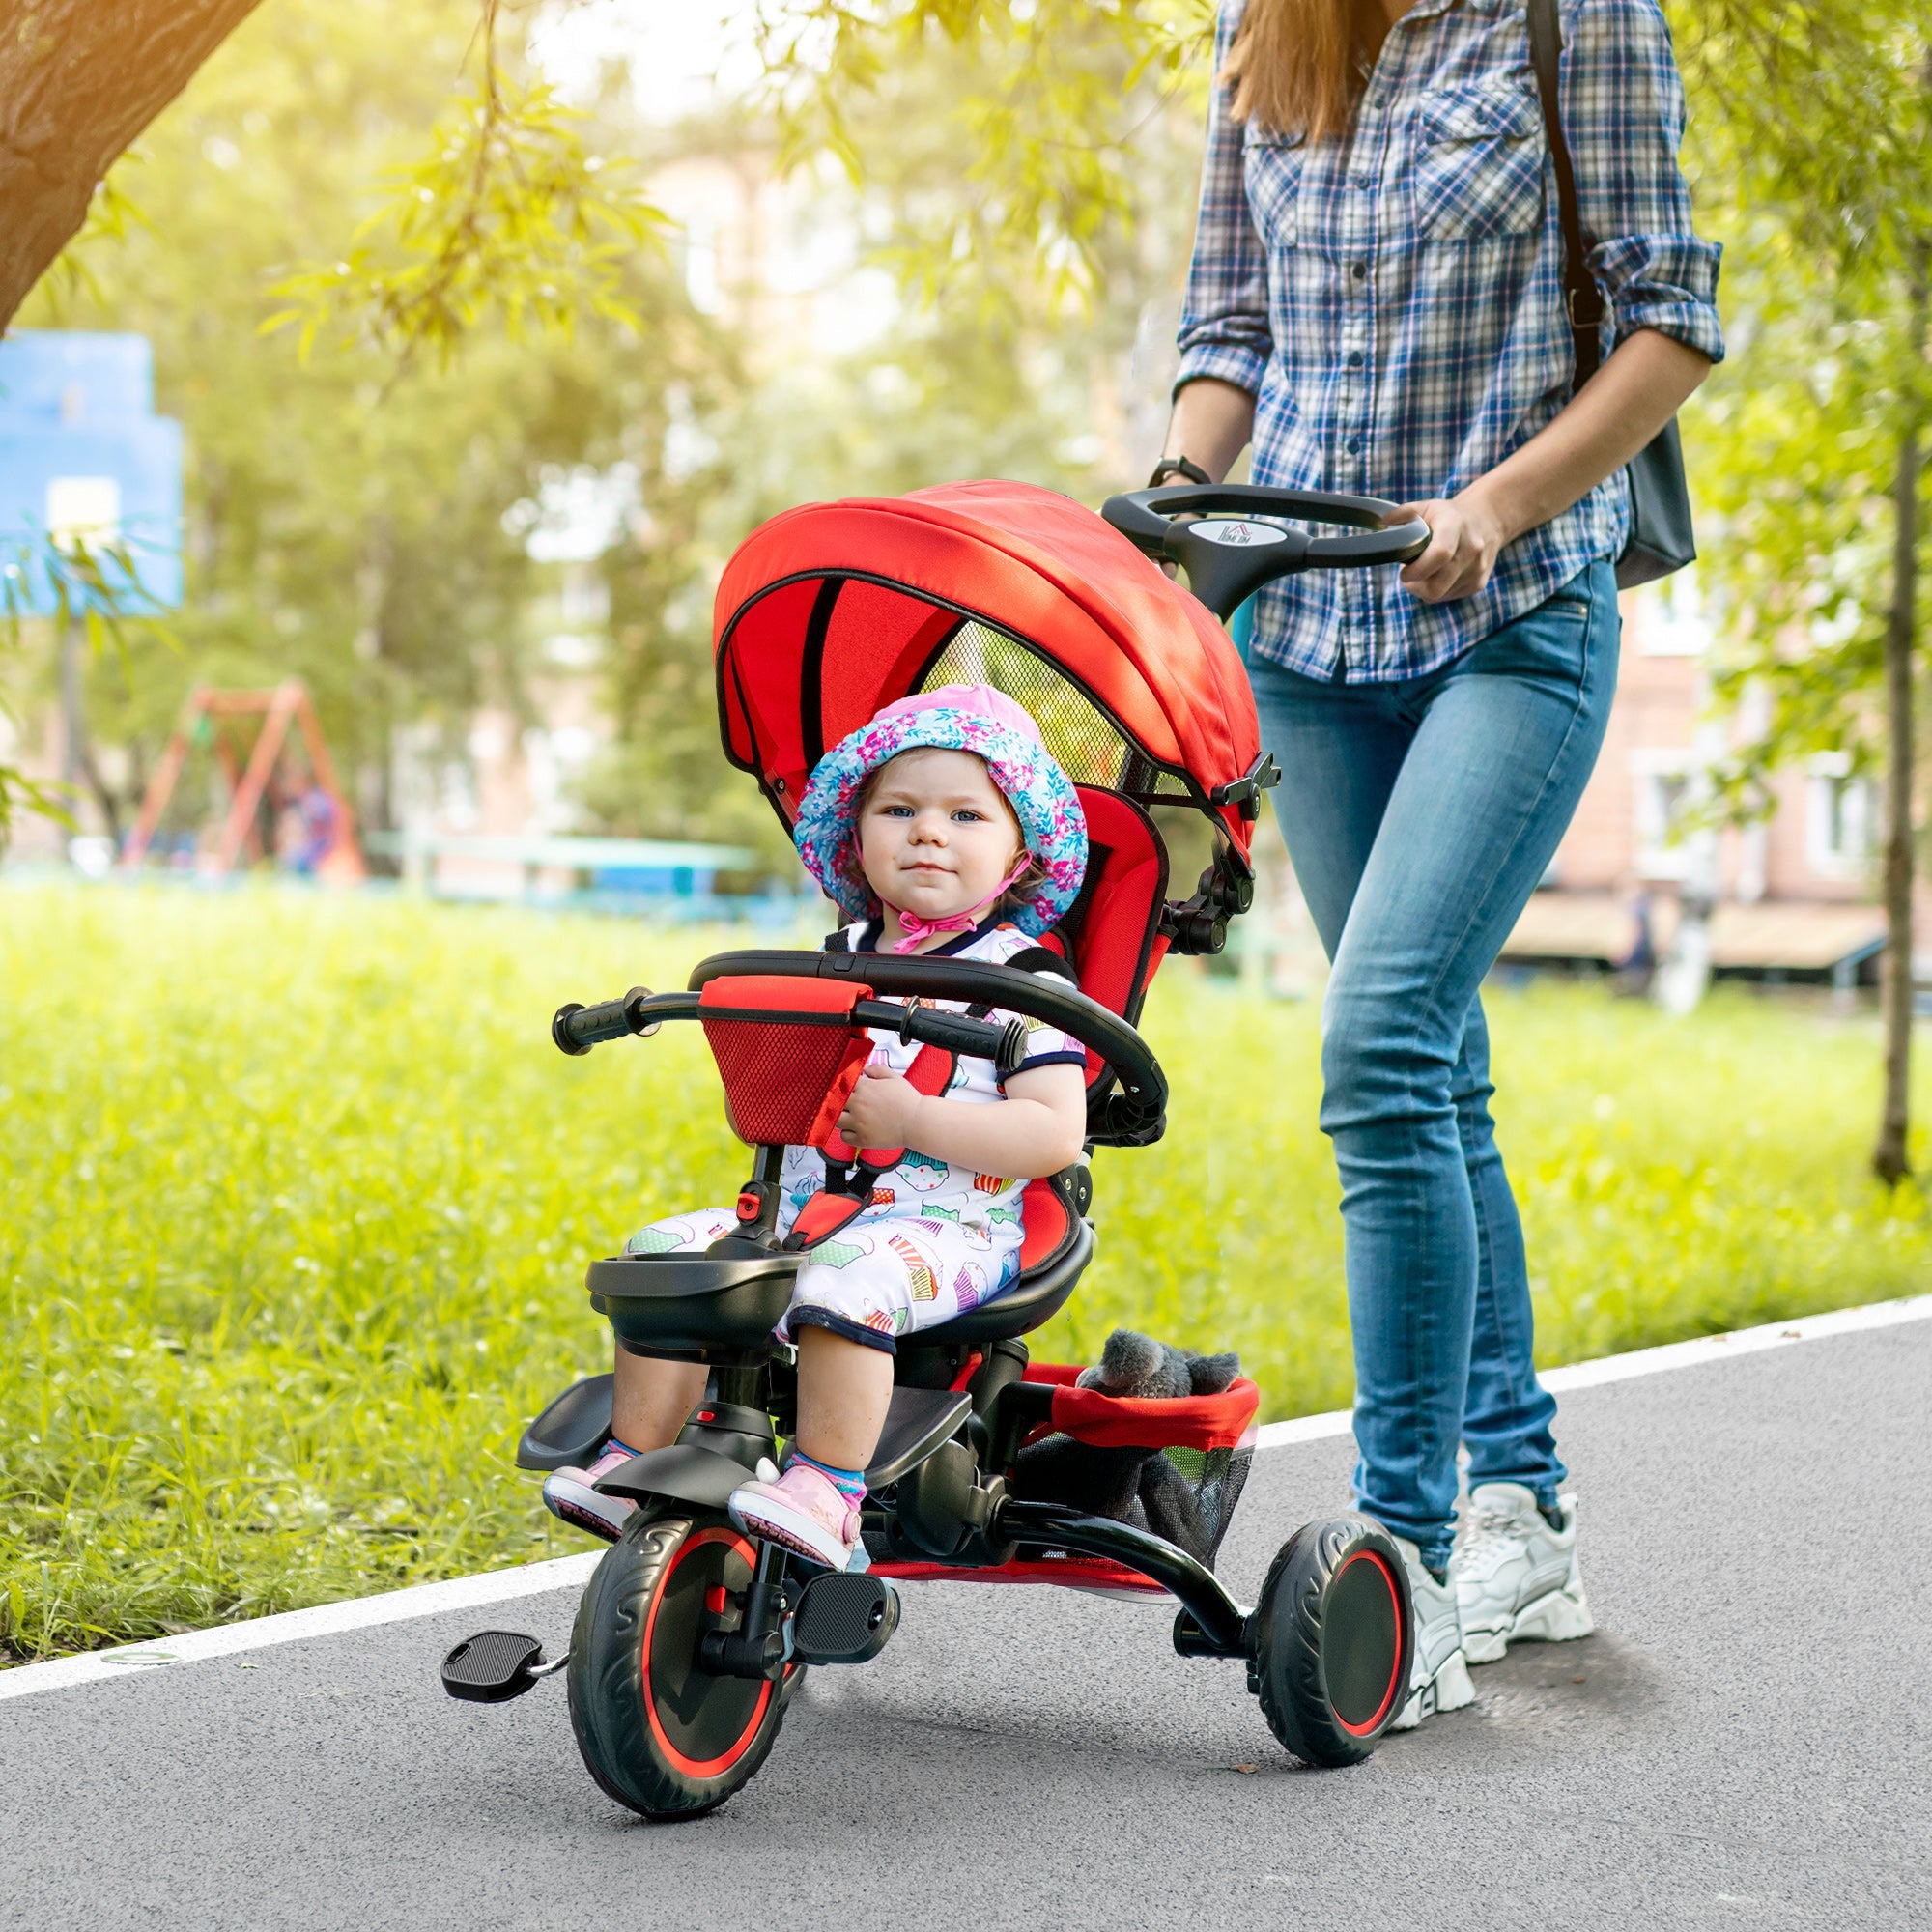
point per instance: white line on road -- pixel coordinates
(501, 1586)
(425, 1599)
(1694, 1354)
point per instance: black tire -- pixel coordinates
(1334, 1636)
(656, 1733)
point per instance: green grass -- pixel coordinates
(298, 1197)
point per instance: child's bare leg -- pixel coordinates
(844, 1389)
(650, 1399)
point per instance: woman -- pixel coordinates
(1375, 300)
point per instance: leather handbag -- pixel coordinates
(1660, 537)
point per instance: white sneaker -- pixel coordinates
(1440, 1678)
(1513, 1576)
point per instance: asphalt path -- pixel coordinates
(1744, 1743)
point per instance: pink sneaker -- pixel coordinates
(568, 1493)
(803, 1512)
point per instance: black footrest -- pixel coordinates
(491, 1667)
(844, 1619)
(917, 1423)
(571, 1430)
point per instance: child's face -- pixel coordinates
(937, 836)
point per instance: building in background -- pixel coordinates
(1788, 897)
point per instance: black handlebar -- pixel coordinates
(958, 1032)
(1238, 539)
(1134, 1116)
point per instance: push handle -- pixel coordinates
(1237, 539)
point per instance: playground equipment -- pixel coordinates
(283, 768)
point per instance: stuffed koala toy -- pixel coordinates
(1138, 1487)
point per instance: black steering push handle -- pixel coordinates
(1239, 536)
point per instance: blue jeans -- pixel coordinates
(1420, 815)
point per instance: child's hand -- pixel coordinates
(881, 1111)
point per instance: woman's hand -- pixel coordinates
(1464, 537)
(1601, 427)
(881, 1111)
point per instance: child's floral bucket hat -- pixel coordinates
(954, 718)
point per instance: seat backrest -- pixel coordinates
(1046, 1224)
(1111, 933)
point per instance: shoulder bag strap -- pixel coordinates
(1582, 300)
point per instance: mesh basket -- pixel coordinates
(1217, 1477)
(782, 1044)
(1089, 748)
(777, 1075)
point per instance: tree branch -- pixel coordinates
(79, 79)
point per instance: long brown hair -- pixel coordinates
(1298, 66)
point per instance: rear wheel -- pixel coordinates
(657, 1731)
(1334, 1634)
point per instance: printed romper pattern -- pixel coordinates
(937, 1239)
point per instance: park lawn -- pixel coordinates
(297, 1198)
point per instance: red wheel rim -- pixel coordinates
(711, 1767)
(1386, 1575)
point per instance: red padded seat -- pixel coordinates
(1046, 1224)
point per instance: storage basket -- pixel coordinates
(1210, 1438)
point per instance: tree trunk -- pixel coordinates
(1891, 1158)
(79, 81)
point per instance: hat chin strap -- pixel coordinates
(917, 931)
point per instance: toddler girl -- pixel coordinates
(943, 825)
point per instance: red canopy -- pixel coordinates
(831, 610)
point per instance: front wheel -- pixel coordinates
(657, 1731)
(1334, 1636)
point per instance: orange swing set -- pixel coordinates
(267, 773)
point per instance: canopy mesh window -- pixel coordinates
(1086, 748)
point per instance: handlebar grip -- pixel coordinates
(577, 1028)
(1398, 543)
(1003, 1045)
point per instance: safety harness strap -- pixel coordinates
(852, 1174)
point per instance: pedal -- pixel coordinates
(844, 1619)
(492, 1666)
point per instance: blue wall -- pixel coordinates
(76, 404)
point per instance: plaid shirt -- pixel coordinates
(1393, 299)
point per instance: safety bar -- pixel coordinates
(1133, 1117)
(577, 1029)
